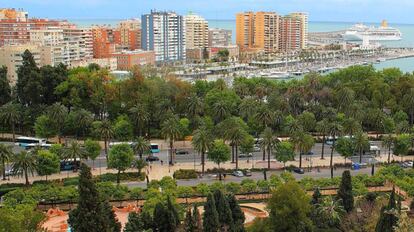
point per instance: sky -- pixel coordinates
(395, 11)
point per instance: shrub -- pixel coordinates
(124, 176)
(185, 174)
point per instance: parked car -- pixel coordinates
(247, 172)
(299, 170)
(243, 155)
(238, 173)
(407, 164)
(152, 158)
(182, 152)
(256, 148)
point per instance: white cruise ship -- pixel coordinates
(360, 32)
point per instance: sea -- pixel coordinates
(407, 30)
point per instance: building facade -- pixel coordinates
(163, 33)
(128, 59)
(270, 32)
(219, 37)
(129, 33)
(196, 32)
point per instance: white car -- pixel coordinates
(238, 173)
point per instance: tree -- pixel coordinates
(167, 217)
(323, 128)
(284, 152)
(141, 146)
(223, 210)
(93, 150)
(74, 151)
(135, 223)
(237, 136)
(308, 121)
(47, 163)
(110, 217)
(104, 129)
(139, 164)
(5, 89)
(219, 153)
(202, 142)
(29, 86)
(123, 130)
(389, 216)
(24, 163)
(361, 143)
(287, 200)
(44, 127)
(6, 154)
(268, 143)
(345, 191)
(197, 219)
(334, 130)
(388, 142)
(189, 222)
(329, 213)
(171, 131)
(139, 117)
(23, 217)
(57, 113)
(304, 143)
(211, 221)
(10, 115)
(316, 196)
(405, 224)
(402, 145)
(88, 215)
(120, 158)
(237, 214)
(345, 147)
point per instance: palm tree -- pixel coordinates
(140, 146)
(23, 164)
(106, 132)
(323, 128)
(303, 143)
(171, 131)
(264, 116)
(361, 142)
(194, 105)
(58, 112)
(221, 110)
(332, 210)
(202, 141)
(351, 126)
(10, 115)
(6, 154)
(74, 151)
(388, 142)
(335, 130)
(139, 117)
(269, 141)
(236, 136)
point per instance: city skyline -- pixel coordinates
(324, 10)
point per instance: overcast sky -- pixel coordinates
(395, 11)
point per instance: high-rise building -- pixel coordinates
(266, 31)
(15, 26)
(219, 37)
(129, 33)
(303, 17)
(11, 57)
(163, 33)
(104, 41)
(270, 32)
(196, 32)
(291, 33)
(245, 30)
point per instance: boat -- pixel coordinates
(277, 75)
(359, 32)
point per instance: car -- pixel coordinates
(299, 170)
(247, 172)
(238, 173)
(243, 155)
(182, 152)
(407, 164)
(256, 148)
(152, 158)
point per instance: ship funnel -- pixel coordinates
(384, 23)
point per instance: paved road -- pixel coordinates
(209, 179)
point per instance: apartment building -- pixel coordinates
(219, 37)
(128, 59)
(245, 30)
(163, 33)
(266, 31)
(104, 41)
(128, 34)
(196, 31)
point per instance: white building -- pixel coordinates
(163, 32)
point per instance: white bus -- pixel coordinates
(31, 142)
